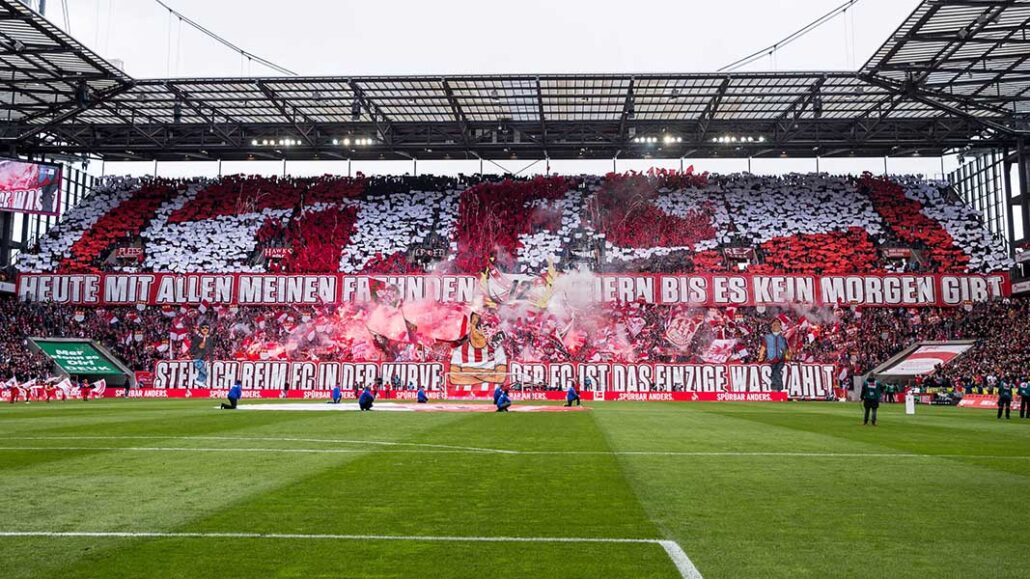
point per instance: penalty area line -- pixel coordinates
(415, 448)
(680, 560)
(233, 450)
(277, 439)
(676, 553)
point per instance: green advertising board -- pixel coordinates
(78, 357)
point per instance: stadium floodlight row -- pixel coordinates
(954, 75)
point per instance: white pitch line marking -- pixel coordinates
(273, 439)
(680, 560)
(779, 454)
(210, 449)
(449, 449)
(676, 554)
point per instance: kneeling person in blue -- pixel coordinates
(366, 399)
(497, 393)
(235, 393)
(337, 395)
(420, 396)
(503, 402)
(571, 396)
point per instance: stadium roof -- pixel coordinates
(955, 74)
(43, 71)
(962, 52)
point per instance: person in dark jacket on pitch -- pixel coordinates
(420, 396)
(1004, 397)
(571, 395)
(366, 399)
(872, 391)
(497, 393)
(503, 402)
(1024, 398)
(235, 393)
(337, 395)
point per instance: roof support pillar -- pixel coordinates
(1006, 177)
(1023, 159)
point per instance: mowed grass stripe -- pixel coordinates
(127, 418)
(265, 439)
(174, 558)
(973, 437)
(679, 557)
(676, 554)
(434, 449)
(768, 514)
(773, 516)
(470, 494)
(480, 494)
(115, 490)
(705, 427)
(948, 429)
(82, 427)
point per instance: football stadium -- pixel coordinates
(457, 289)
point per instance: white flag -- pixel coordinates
(65, 386)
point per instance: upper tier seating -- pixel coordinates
(660, 221)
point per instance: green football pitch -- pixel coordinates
(122, 488)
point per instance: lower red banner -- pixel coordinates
(697, 396)
(454, 394)
(984, 401)
(263, 394)
(461, 394)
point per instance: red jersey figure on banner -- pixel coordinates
(476, 359)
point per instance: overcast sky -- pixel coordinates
(347, 37)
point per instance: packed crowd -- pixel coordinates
(1000, 353)
(661, 221)
(658, 221)
(856, 340)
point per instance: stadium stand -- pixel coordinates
(655, 222)
(662, 221)
(855, 340)
(77, 223)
